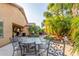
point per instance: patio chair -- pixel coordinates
(43, 48)
(15, 45)
(32, 48)
(28, 48)
(55, 48)
(15, 39)
(23, 48)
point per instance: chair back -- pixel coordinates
(27, 48)
(55, 48)
(15, 38)
(14, 42)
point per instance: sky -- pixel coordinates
(34, 12)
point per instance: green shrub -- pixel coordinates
(48, 37)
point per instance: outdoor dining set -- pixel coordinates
(36, 46)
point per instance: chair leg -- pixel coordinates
(17, 52)
(21, 51)
(35, 50)
(13, 53)
(47, 51)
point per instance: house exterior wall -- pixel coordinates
(25, 30)
(10, 14)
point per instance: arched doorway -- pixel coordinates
(16, 28)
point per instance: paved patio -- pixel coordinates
(7, 50)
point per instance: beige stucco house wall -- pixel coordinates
(9, 14)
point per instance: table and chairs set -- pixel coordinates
(36, 46)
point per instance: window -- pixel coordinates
(1, 28)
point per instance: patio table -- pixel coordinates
(28, 40)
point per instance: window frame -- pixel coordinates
(2, 30)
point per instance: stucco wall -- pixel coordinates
(10, 14)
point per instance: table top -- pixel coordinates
(31, 40)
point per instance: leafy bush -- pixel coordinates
(59, 23)
(48, 37)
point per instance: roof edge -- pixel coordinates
(20, 8)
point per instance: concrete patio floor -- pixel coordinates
(7, 50)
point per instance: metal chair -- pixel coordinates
(55, 48)
(28, 48)
(15, 45)
(32, 48)
(15, 39)
(23, 48)
(43, 47)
